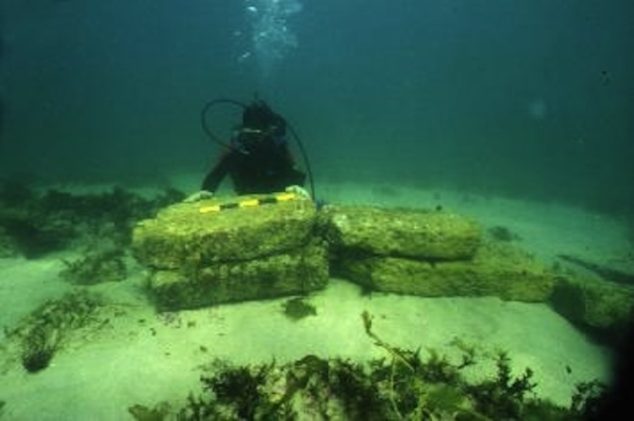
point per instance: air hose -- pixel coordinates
(227, 145)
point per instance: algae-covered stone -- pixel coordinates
(598, 305)
(194, 235)
(496, 269)
(428, 235)
(295, 272)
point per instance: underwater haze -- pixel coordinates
(526, 98)
(465, 249)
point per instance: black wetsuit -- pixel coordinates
(259, 161)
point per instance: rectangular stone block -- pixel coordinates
(198, 234)
(600, 306)
(296, 272)
(496, 270)
(417, 234)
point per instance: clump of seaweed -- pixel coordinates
(41, 223)
(501, 233)
(157, 413)
(588, 398)
(96, 267)
(234, 393)
(119, 208)
(297, 308)
(15, 192)
(42, 333)
(8, 248)
(33, 236)
(401, 386)
(502, 396)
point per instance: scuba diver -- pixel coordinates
(257, 158)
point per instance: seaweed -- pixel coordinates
(468, 353)
(157, 413)
(15, 192)
(32, 237)
(96, 267)
(42, 333)
(359, 392)
(42, 223)
(401, 386)
(502, 397)
(8, 247)
(416, 387)
(118, 207)
(199, 408)
(238, 388)
(588, 398)
(297, 308)
(36, 358)
(38, 348)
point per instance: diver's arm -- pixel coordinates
(215, 176)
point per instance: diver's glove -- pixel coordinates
(198, 196)
(298, 190)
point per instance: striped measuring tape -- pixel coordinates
(251, 203)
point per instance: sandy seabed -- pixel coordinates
(142, 357)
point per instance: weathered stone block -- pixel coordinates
(603, 307)
(184, 235)
(423, 235)
(496, 269)
(296, 272)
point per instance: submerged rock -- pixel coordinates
(297, 272)
(217, 251)
(605, 309)
(193, 234)
(497, 269)
(416, 234)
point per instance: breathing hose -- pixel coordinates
(226, 145)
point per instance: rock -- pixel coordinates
(296, 272)
(422, 235)
(184, 235)
(200, 255)
(497, 269)
(601, 307)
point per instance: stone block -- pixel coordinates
(416, 234)
(497, 269)
(186, 235)
(236, 249)
(295, 272)
(602, 307)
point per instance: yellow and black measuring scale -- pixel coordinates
(253, 202)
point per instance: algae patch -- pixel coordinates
(297, 308)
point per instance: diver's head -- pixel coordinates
(259, 116)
